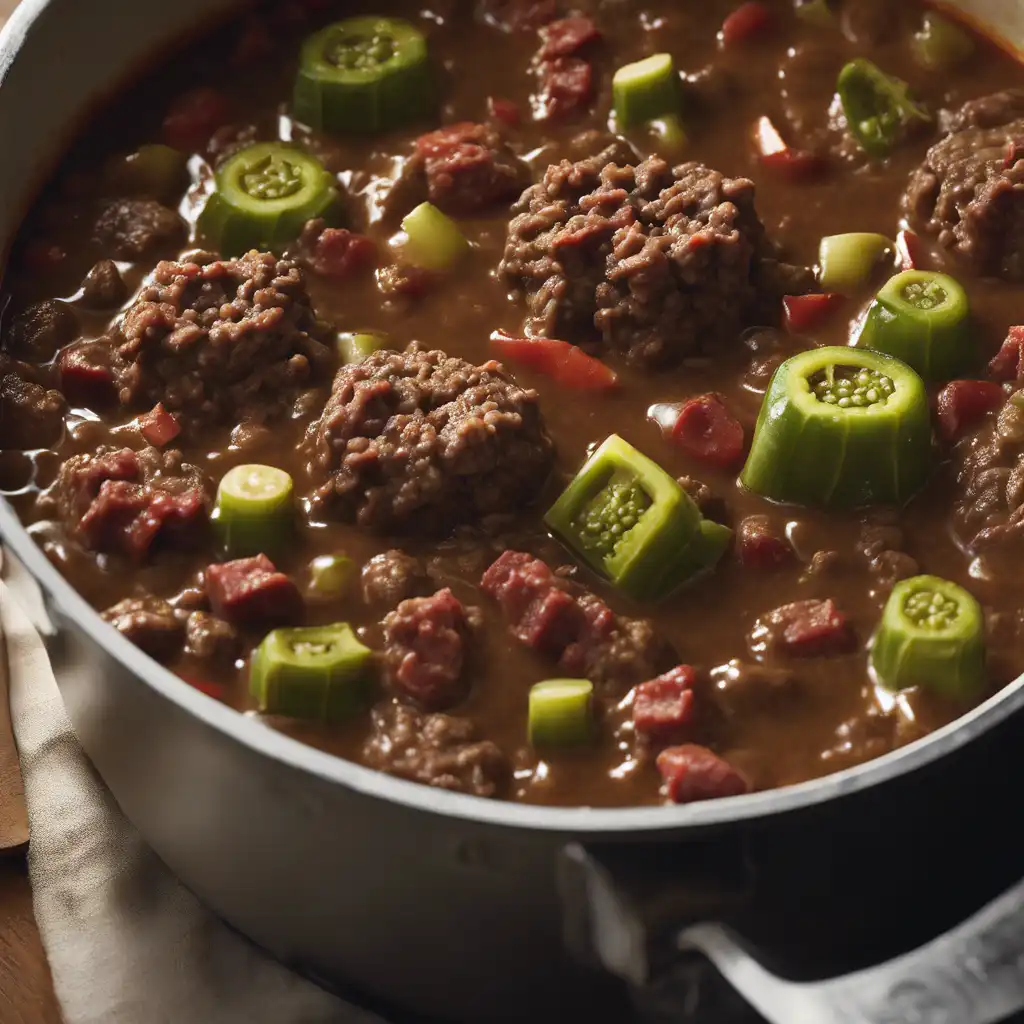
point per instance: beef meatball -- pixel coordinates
(225, 340)
(664, 262)
(419, 441)
(969, 192)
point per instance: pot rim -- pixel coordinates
(588, 821)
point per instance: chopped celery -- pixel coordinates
(253, 513)
(632, 523)
(560, 713)
(645, 91)
(363, 76)
(932, 635)
(320, 673)
(878, 107)
(264, 197)
(331, 576)
(922, 318)
(670, 135)
(355, 346)
(940, 44)
(847, 261)
(434, 241)
(841, 428)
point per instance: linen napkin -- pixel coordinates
(126, 942)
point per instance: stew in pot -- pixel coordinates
(604, 403)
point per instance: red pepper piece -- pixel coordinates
(1008, 362)
(566, 36)
(158, 426)
(749, 21)
(194, 117)
(663, 707)
(506, 111)
(803, 312)
(693, 773)
(908, 250)
(794, 164)
(759, 545)
(565, 364)
(705, 429)
(963, 403)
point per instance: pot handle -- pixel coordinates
(971, 975)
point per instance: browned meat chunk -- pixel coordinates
(392, 577)
(210, 638)
(251, 592)
(663, 707)
(150, 623)
(693, 773)
(570, 625)
(31, 416)
(125, 501)
(39, 331)
(130, 229)
(662, 262)
(103, 287)
(969, 192)
(424, 640)
(438, 750)
(418, 441)
(224, 339)
(804, 629)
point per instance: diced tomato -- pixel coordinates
(803, 312)
(1008, 362)
(749, 21)
(565, 364)
(705, 429)
(505, 111)
(693, 773)
(908, 250)
(194, 117)
(759, 545)
(254, 45)
(794, 164)
(566, 36)
(83, 380)
(340, 253)
(663, 707)
(215, 690)
(43, 258)
(963, 403)
(158, 426)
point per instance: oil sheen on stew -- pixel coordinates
(611, 403)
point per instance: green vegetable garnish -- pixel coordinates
(644, 91)
(355, 346)
(847, 261)
(841, 428)
(434, 240)
(253, 513)
(878, 107)
(363, 76)
(922, 318)
(818, 13)
(264, 196)
(633, 524)
(320, 673)
(331, 576)
(560, 713)
(939, 44)
(670, 133)
(932, 635)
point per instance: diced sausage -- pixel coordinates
(759, 545)
(693, 773)
(251, 592)
(567, 36)
(566, 84)
(663, 707)
(803, 629)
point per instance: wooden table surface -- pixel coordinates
(26, 993)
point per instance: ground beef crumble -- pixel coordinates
(662, 262)
(419, 441)
(221, 339)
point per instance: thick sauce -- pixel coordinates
(813, 716)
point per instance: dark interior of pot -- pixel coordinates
(604, 404)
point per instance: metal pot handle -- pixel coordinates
(974, 974)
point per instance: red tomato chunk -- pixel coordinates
(663, 707)
(693, 773)
(908, 250)
(707, 430)
(805, 312)
(158, 426)
(565, 364)
(776, 155)
(749, 21)
(250, 591)
(963, 404)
